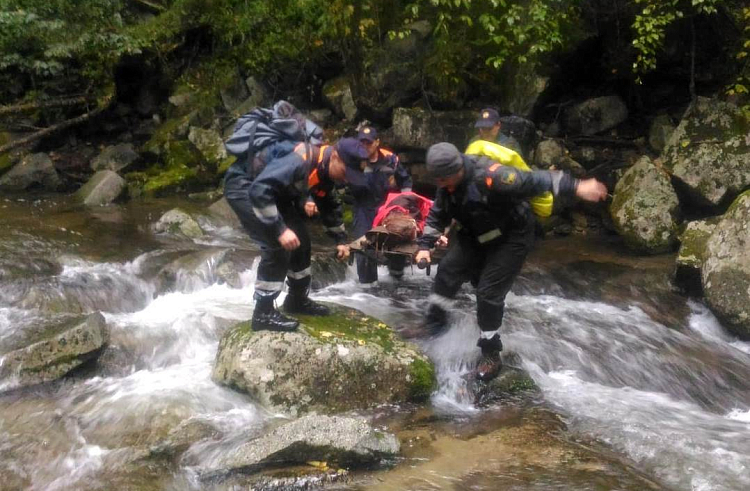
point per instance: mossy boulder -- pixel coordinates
(33, 171)
(338, 93)
(692, 254)
(595, 115)
(418, 128)
(726, 268)
(335, 363)
(709, 152)
(58, 350)
(645, 209)
(115, 158)
(6, 160)
(177, 221)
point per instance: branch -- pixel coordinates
(62, 102)
(151, 5)
(58, 127)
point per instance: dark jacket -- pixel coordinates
(378, 176)
(491, 200)
(282, 181)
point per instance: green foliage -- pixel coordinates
(741, 86)
(651, 23)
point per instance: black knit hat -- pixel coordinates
(443, 160)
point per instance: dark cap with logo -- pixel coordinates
(443, 160)
(354, 155)
(367, 133)
(488, 117)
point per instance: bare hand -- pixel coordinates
(289, 240)
(423, 255)
(311, 209)
(342, 252)
(442, 242)
(591, 190)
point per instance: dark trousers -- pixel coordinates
(275, 263)
(367, 268)
(492, 268)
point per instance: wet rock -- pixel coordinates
(224, 213)
(209, 143)
(692, 254)
(322, 117)
(418, 128)
(235, 93)
(660, 131)
(115, 158)
(34, 171)
(183, 435)
(525, 85)
(726, 268)
(103, 188)
(258, 96)
(347, 441)
(61, 350)
(709, 152)
(645, 209)
(512, 382)
(177, 221)
(547, 153)
(571, 166)
(334, 363)
(326, 270)
(338, 93)
(595, 115)
(194, 271)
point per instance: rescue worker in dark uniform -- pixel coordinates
(493, 232)
(513, 132)
(270, 207)
(383, 175)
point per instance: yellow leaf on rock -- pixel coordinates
(325, 334)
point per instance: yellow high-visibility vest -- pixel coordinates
(541, 205)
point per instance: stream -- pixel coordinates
(621, 358)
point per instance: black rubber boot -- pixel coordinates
(267, 318)
(298, 302)
(490, 363)
(436, 319)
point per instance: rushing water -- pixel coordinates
(624, 360)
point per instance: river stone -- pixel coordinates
(35, 170)
(224, 213)
(645, 209)
(176, 221)
(660, 131)
(524, 86)
(335, 363)
(338, 93)
(258, 97)
(103, 188)
(115, 158)
(59, 352)
(709, 152)
(418, 128)
(209, 143)
(692, 254)
(547, 153)
(347, 441)
(726, 269)
(595, 115)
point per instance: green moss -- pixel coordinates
(225, 164)
(348, 216)
(5, 161)
(166, 133)
(350, 325)
(423, 379)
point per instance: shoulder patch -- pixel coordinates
(508, 178)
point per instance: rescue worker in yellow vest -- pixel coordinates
(488, 145)
(493, 232)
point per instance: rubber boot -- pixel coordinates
(298, 302)
(267, 318)
(436, 319)
(490, 362)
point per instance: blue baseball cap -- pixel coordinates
(367, 133)
(488, 117)
(355, 156)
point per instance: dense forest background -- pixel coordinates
(68, 60)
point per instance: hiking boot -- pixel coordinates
(436, 319)
(302, 304)
(265, 319)
(490, 363)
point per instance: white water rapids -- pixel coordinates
(676, 402)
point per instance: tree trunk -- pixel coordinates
(62, 102)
